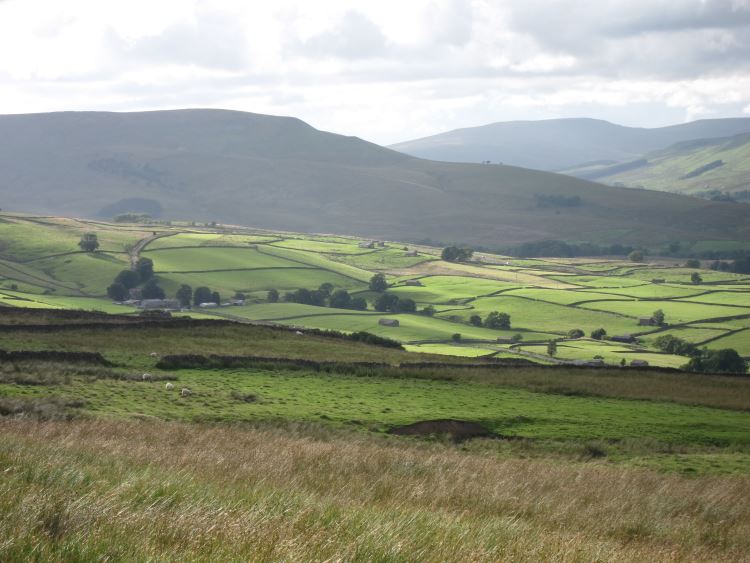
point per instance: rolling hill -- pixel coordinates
(278, 172)
(558, 144)
(699, 167)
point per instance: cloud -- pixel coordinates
(355, 36)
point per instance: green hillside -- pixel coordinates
(41, 267)
(697, 168)
(280, 173)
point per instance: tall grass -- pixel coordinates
(106, 490)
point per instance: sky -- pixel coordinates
(385, 70)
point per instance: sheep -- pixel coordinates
(154, 355)
(298, 332)
(169, 386)
(146, 377)
(185, 392)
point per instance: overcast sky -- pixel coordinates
(385, 70)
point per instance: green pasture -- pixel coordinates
(740, 341)
(600, 281)
(282, 279)
(88, 272)
(451, 350)
(676, 311)
(585, 349)
(651, 291)
(276, 311)
(318, 261)
(694, 334)
(683, 275)
(378, 402)
(562, 297)
(739, 298)
(442, 289)
(539, 315)
(208, 259)
(179, 240)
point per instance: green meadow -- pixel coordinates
(41, 266)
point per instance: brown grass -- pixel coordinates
(113, 490)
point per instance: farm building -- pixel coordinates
(388, 322)
(381, 244)
(159, 304)
(627, 338)
(367, 244)
(413, 282)
(638, 364)
(412, 253)
(646, 321)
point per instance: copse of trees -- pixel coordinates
(202, 294)
(598, 334)
(273, 296)
(184, 295)
(727, 360)
(89, 242)
(117, 292)
(497, 320)
(151, 290)
(324, 295)
(145, 269)
(378, 283)
(457, 254)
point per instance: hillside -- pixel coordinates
(693, 167)
(278, 172)
(557, 144)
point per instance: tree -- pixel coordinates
(239, 296)
(216, 298)
(658, 317)
(117, 292)
(576, 333)
(497, 320)
(551, 348)
(428, 311)
(378, 283)
(456, 254)
(386, 302)
(89, 242)
(718, 361)
(340, 299)
(358, 304)
(128, 278)
(145, 268)
(152, 290)
(273, 296)
(693, 263)
(476, 320)
(326, 289)
(517, 337)
(696, 278)
(201, 294)
(636, 256)
(406, 306)
(456, 337)
(598, 334)
(184, 295)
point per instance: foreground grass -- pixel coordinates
(104, 490)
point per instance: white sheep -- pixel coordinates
(185, 392)
(146, 377)
(169, 386)
(154, 355)
(298, 333)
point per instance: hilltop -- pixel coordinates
(559, 144)
(278, 172)
(706, 167)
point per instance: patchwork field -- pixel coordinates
(41, 266)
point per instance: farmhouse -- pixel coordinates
(388, 322)
(413, 282)
(159, 304)
(638, 364)
(627, 338)
(646, 321)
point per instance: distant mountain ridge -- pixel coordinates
(281, 173)
(559, 144)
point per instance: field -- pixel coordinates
(40, 266)
(269, 460)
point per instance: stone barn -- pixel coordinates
(388, 322)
